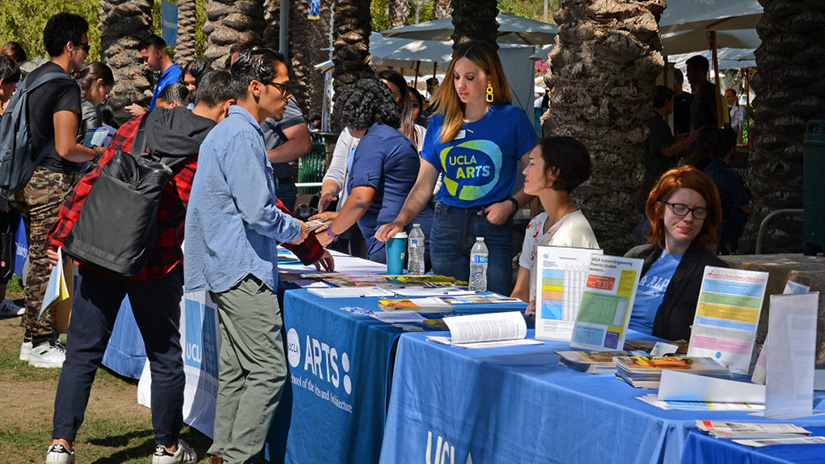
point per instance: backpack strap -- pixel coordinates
(139, 143)
(42, 79)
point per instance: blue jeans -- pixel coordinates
(453, 235)
(156, 306)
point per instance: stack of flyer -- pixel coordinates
(720, 429)
(594, 362)
(644, 372)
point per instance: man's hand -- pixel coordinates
(303, 235)
(530, 311)
(388, 231)
(325, 200)
(52, 254)
(135, 110)
(326, 263)
(498, 213)
(326, 216)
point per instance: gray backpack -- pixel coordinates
(17, 162)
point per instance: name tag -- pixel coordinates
(461, 134)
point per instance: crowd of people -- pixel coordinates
(231, 140)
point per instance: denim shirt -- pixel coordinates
(232, 223)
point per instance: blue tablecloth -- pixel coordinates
(340, 373)
(517, 405)
(704, 449)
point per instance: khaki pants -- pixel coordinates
(252, 370)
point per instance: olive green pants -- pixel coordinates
(252, 370)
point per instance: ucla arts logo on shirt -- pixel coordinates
(471, 169)
(324, 370)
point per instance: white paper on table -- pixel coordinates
(789, 381)
(681, 386)
(727, 314)
(558, 283)
(758, 376)
(673, 405)
(606, 303)
(349, 292)
(481, 345)
(663, 349)
(397, 317)
(425, 291)
(782, 441)
(488, 327)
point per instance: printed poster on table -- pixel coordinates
(727, 315)
(607, 300)
(560, 276)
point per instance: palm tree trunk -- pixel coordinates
(228, 22)
(442, 9)
(398, 12)
(272, 18)
(604, 68)
(789, 89)
(123, 23)
(186, 49)
(351, 42)
(474, 20)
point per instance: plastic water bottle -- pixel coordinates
(415, 251)
(478, 266)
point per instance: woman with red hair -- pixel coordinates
(684, 213)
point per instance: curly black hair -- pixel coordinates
(61, 29)
(367, 102)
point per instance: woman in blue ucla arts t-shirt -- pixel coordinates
(475, 140)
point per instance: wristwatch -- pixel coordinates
(514, 202)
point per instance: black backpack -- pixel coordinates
(118, 225)
(17, 162)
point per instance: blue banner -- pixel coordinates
(169, 22)
(313, 9)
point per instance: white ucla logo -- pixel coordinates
(293, 346)
(444, 451)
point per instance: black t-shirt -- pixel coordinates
(44, 102)
(655, 162)
(703, 107)
(681, 113)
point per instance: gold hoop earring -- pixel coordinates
(489, 97)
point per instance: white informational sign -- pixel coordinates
(789, 384)
(727, 315)
(201, 342)
(559, 283)
(607, 300)
(758, 376)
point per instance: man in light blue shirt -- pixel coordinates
(232, 230)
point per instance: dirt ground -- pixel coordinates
(116, 428)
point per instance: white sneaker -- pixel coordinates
(58, 454)
(47, 355)
(9, 309)
(184, 454)
(26, 350)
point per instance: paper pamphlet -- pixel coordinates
(397, 317)
(607, 299)
(682, 386)
(758, 376)
(722, 429)
(789, 382)
(99, 137)
(349, 292)
(727, 314)
(782, 441)
(57, 290)
(663, 349)
(675, 405)
(558, 285)
(486, 330)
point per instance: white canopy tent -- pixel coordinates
(511, 30)
(710, 15)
